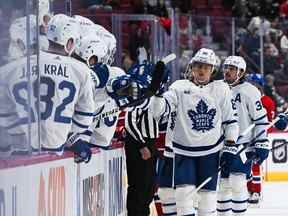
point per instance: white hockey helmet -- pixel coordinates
(109, 39)
(236, 61)
(204, 56)
(86, 25)
(62, 28)
(18, 35)
(90, 46)
(239, 63)
(111, 43)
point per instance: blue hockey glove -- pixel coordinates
(100, 75)
(282, 123)
(261, 152)
(80, 147)
(229, 155)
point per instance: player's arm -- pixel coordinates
(258, 116)
(231, 129)
(84, 107)
(163, 105)
(229, 117)
(80, 134)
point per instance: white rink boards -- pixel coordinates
(275, 200)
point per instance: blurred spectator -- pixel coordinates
(197, 39)
(271, 64)
(93, 3)
(240, 9)
(269, 8)
(284, 44)
(258, 22)
(138, 37)
(185, 6)
(270, 90)
(250, 48)
(284, 9)
(98, 4)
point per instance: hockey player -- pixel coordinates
(233, 194)
(87, 27)
(65, 89)
(255, 182)
(18, 41)
(205, 119)
(92, 50)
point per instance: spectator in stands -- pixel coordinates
(270, 90)
(98, 4)
(138, 37)
(271, 64)
(284, 9)
(284, 44)
(240, 9)
(250, 48)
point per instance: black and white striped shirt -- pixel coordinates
(140, 123)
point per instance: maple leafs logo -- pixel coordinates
(202, 118)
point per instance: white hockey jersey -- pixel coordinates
(204, 116)
(106, 115)
(65, 93)
(247, 102)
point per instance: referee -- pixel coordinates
(141, 133)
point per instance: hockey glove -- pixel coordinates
(100, 75)
(282, 123)
(229, 156)
(81, 148)
(261, 152)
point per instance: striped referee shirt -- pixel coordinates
(140, 123)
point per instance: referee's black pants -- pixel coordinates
(141, 177)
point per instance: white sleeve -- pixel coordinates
(229, 119)
(164, 105)
(258, 116)
(84, 107)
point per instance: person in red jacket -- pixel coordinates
(255, 182)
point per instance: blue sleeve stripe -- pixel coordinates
(22, 121)
(259, 118)
(79, 124)
(99, 110)
(168, 149)
(258, 124)
(3, 115)
(261, 141)
(87, 132)
(84, 113)
(229, 121)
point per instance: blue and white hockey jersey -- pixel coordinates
(247, 102)
(204, 116)
(106, 114)
(65, 92)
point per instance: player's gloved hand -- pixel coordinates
(81, 148)
(229, 155)
(160, 77)
(261, 152)
(100, 75)
(282, 123)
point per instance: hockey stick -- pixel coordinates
(241, 149)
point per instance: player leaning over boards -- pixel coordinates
(205, 120)
(233, 194)
(65, 89)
